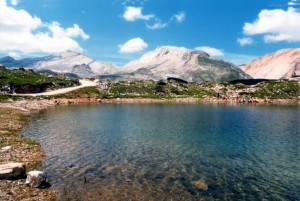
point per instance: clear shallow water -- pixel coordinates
(155, 152)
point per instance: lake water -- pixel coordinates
(157, 151)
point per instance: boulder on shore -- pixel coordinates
(35, 178)
(12, 170)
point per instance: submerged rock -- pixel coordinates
(200, 185)
(12, 170)
(35, 178)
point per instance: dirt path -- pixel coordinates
(83, 83)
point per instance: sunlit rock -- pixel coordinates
(35, 178)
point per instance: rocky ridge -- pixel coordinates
(180, 62)
(283, 64)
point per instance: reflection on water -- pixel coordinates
(157, 152)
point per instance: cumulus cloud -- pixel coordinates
(22, 32)
(211, 51)
(76, 31)
(179, 17)
(276, 25)
(245, 41)
(14, 2)
(132, 14)
(133, 45)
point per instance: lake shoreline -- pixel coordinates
(23, 150)
(35, 154)
(40, 104)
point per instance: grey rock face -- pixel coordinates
(83, 70)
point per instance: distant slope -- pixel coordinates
(179, 62)
(27, 62)
(65, 62)
(281, 64)
(73, 61)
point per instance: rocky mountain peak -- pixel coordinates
(277, 65)
(180, 62)
(69, 54)
(164, 53)
(201, 53)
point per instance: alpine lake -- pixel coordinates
(170, 151)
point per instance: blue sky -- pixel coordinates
(123, 30)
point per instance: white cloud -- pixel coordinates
(157, 25)
(14, 2)
(276, 25)
(132, 14)
(180, 17)
(21, 32)
(237, 59)
(293, 3)
(133, 45)
(245, 41)
(211, 51)
(76, 31)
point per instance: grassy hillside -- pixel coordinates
(171, 89)
(11, 80)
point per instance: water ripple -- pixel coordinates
(156, 152)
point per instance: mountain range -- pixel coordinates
(165, 62)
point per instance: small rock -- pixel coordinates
(200, 185)
(35, 178)
(12, 170)
(34, 194)
(7, 148)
